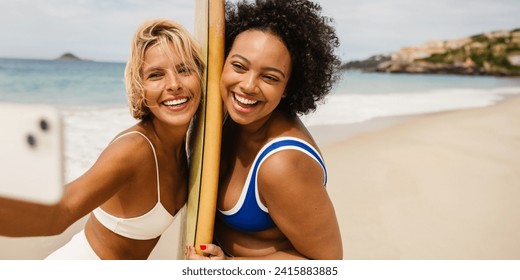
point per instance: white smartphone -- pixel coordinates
(31, 153)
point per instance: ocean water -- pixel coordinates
(65, 83)
(361, 96)
(91, 97)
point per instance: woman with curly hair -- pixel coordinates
(272, 201)
(139, 182)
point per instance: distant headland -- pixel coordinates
(69, 57)
(494, 53)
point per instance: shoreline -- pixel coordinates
(330, 134)
(429, 186)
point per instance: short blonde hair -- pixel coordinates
(175, 40)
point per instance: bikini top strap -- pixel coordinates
(293, 143)
(154, 155)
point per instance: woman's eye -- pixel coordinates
(184, 71)
(238, 67)
(154, 75)
(272, 79)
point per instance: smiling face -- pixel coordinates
(255, 75)
(172, 89)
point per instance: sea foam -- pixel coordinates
(359, 107)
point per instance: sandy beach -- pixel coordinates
(440, 186)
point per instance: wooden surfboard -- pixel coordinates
(205, 135)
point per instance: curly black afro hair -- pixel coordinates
(310, 38)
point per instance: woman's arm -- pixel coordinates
(291, 186)
(81, 196)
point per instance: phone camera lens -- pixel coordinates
(44, 125)
(31, 140)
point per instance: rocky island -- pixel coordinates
(69, 57)
(491, 53)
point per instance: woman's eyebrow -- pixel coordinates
(151, 68)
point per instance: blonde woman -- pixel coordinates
(139, 182)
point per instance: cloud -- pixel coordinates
(99, 30)
(102, 30)
(377, 26)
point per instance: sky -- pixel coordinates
(101, 30)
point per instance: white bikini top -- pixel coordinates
(147, 226)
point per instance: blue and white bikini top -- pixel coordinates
(147, 226)
(250, 214)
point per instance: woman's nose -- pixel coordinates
(248, 84)
(172, 81)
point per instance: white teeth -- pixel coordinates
(175, 102)
(245, 100)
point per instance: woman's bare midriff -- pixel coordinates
(111, 246)
(250, 244)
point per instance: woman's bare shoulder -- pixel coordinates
(127, 151)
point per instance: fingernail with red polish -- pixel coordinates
(203, 247)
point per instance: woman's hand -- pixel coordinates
(211, 252)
